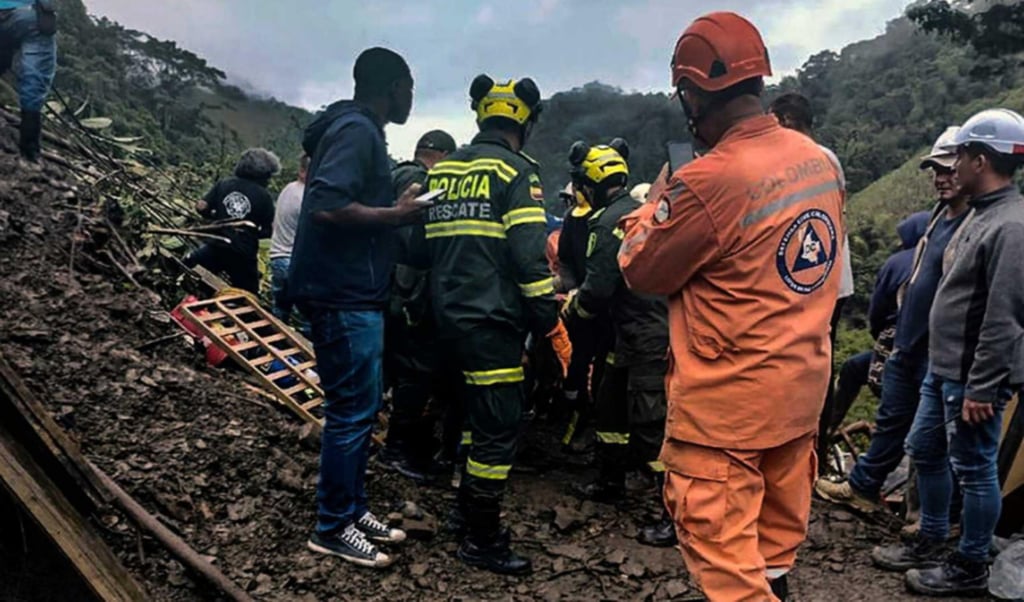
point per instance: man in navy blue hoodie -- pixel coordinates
(340, 278)
(882, 312)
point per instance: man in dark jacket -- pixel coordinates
(490, 285)
(243, 197)
(908, 363)
(630, 408)
(340, 278)
(975, 351)
(413, 359)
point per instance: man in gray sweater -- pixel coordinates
(975, 350)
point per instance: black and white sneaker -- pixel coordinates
(350, 545)
(378, 532)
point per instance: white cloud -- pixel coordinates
(804, 29)
(485, 16)
(402, 139)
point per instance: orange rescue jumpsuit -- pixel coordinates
(745, 242)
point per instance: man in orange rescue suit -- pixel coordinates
(744, 242)
(490, 285)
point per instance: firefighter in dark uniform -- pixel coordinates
(491, 286)
(630, 405)
(590, 338)
(412, 356)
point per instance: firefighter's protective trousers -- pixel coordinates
(630, 418)
(491, 363)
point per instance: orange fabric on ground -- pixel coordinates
(739, 513)
(745, 243)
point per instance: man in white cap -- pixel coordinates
(908, 363)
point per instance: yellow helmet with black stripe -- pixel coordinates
(516, 100)
(600, 166)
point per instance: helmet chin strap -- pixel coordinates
(693, 119)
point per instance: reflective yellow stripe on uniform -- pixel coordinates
(505, 172)
(613, 438)
(467, 437)
(494, 472)
(610, 359)
(656, 466)
(495, 377)
(526, 215)
(539, 288)
(465, 227)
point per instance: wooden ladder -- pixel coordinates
(236, 322)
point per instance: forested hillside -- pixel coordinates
(172, 105)
(879, 104)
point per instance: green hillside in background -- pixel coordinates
(879, 104)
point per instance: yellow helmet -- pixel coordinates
(518, 100)
(600, 166)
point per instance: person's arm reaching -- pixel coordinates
(204, 206)
(335, 191)
(667, 242)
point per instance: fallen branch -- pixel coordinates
(218, 225)
(174, 544)
(189, 233)
(163, 339)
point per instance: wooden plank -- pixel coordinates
(43, 501)
(23, 413)
(296, 389)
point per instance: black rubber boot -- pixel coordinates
(455, 522)
(780, 587)
(916, 552)
(493, 553)
(31, 132)
(661, 534)
(957, 576)
(487, 544)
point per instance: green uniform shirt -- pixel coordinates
(409, 295)
(640, 321)
(485, 241)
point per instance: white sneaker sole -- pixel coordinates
(373, 564)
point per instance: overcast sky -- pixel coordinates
(301, 51)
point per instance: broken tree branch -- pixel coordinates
(174, 544)
(188, 233)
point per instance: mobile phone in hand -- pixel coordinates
(427, 199)
(679, 154)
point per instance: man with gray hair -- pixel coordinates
(242, 197)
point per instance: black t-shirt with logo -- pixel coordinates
(241, 199)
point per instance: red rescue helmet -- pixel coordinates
(719, 50)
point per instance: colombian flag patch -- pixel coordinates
(536, 190)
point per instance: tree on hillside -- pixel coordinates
(596, 113)
(993, 28)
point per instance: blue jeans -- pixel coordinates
(940, 439)
(901, 391)
(20, 31)
(349, 347)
